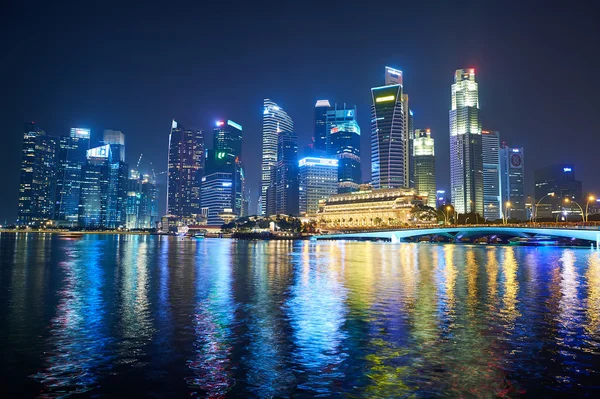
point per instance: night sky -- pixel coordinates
(107, 65)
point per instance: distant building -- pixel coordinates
(116, 140)
(559, 180)
(318, 179)
(185, 169)
(286, 188)
(368, 208)
(71, 157)
(441, 198)
(344, 144)
(424, 165)
(321, 134)
(94, 193)
(118, 184)
(38, 175)
(492, 201)
(275, 121)
(142, 202)
(389, 133)
(466, 161)
(217, 195)
(512, 174)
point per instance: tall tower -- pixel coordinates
(424, 165)
(389, 133)
(186, 165)
(512, 174)
(344, 144)
(275, 121)
(321, 126)
(286, 187)
(466, 161)
(492, 204)
(116, 140)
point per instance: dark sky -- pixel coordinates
(135, 67)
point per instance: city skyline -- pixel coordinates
(507, 87)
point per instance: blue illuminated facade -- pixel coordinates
(95, 181)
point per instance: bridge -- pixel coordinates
(581, 233)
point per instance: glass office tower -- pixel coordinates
(492, 200)
(424, 164)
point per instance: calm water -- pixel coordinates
(161, 317)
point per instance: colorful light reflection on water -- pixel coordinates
(108, 315)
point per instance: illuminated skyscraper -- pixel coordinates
(116, 140)
(492, 202)
(275, 121)
(72, 151)
(318, 179)
(389, 133)
(424, 164)
(38, 173)
(321, 127)
(512, 177)
(94, 193)
(560, 181)
(222, 185)
(466, 161)
(344, 144)
(286, 184)
(186, 165)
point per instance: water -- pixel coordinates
(154, 316)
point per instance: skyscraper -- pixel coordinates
(275, 121)
(466, 161)
(389, 136)
(118, 184)
(38, 172)
(186, 164)
(223, 183)
(286, 186)
(512, 182)
(94, 192)
(492, 200)
(321, 127)
(318, 179)
(72, 151)
(116, 140)
(424, 165)
(561, 182)
(344, 144)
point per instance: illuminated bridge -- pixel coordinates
(582, 233)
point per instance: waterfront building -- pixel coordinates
(286, 187)
(275, 121)
(224, 176)
(344, 144)
(389, 135)
(94, 190)
(185, 169)
(441, 198)
(318, 180)
(560, 180)
(424, 165)
(117, 194)
(321, 134)
(116, 140)
(368, 208)
(71, 157)
(493, 207)
(142, 201)
(466, 161)
(411, 137)
(512, 174)
(38, 174)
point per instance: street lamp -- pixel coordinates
(446, 214)
(505, 212)
(568, 201)
(536, 205)
(587, 203)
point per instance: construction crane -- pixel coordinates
(139, 160)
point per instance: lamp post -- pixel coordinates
(587, 203)
(505, 212)
(568, 201)
(448, 207)
(537, 203)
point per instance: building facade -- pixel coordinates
(344, 144)
(561, 182)
(142, 202)
(275, 121)
(71, 156)
(368, 208)
(512, 172)
(321, 134)
(466, 161)
(185, 169)
(424, 165)
(116, 140)
(286, 187)
(493, 208)
(318, 180)
(94, 192)
(38, 175)
(389, 136)
(217, 195)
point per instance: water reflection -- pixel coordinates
(222, 318)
